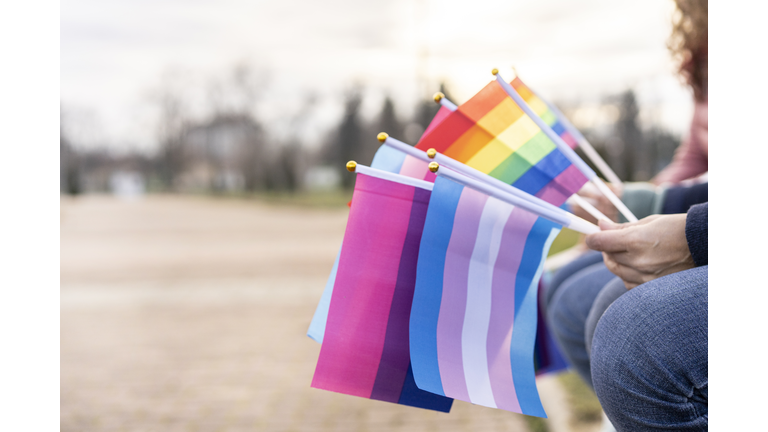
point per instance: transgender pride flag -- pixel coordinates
(474, 314)
(365, 350)
(493, 135)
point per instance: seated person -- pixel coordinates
(631, 315)
(649, 349)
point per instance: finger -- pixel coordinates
(630, 285)
(578, 211)
(625, 259)
(647, 220)
(606, 225)
(627, 274)
(608, 241)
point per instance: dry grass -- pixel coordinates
(585, 408)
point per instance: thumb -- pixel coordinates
(607, 225)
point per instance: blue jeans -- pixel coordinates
(569, 298)
(649, 355)
(647, 377)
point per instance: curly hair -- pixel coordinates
(688, 44)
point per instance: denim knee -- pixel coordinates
(649, 360)
(588, 259)
(567, 314)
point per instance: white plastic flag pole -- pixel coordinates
(576, 199)
(442, 100)
(355, 167)
(579, 225)
(585, 145)
(466, 171)
(565, 149)
(575, 224)
(478, 175)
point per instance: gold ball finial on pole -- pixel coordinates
(351, 165)
(495, 71)
(382, 137)
(434, 166)
(431, 153)
(438, 97)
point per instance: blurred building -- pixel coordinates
(127, 184)
(227, 154)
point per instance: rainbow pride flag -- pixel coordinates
(389, 159)
(365, 349)
(543, 110)
(474, 314)
(492, 134)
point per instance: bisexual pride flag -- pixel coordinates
(493, 135)
(474, 315)
(365, 349)
(386, 159)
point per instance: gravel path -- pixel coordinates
(190, 314)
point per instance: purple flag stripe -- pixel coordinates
(563, 186)
(396, 356)
(452, 308)
(365, 284)
(503, 308)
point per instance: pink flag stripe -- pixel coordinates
(450, 322)
(559, 190)
(569, 139)
(503, 308)
(357, 319)
(415, 168)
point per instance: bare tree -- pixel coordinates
(635, 157)
(387, 122)
(69, 166)
(173, 121)
(79, 130)
(232, 101)
(238, 91)
(291, 156)
(346, 140)
(427, 108)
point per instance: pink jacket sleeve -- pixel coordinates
(691, 157)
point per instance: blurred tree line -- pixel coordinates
(231, 150)
(634, 154)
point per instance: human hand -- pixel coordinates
(593, 196)
(642, 251)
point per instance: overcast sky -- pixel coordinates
(113, 53)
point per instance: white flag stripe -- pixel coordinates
(478, 312)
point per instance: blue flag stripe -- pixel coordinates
(429, 282)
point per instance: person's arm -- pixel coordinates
(696, 233)
(655, 246)
(644, 199)
(691, 158)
